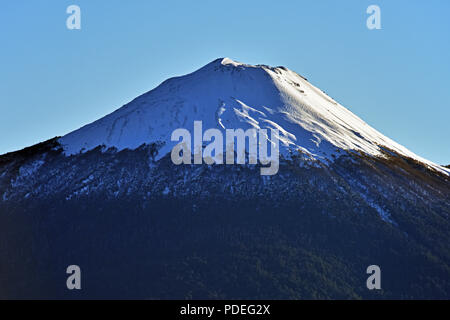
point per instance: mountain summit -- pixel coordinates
(228, 94)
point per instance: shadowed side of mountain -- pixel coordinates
(165, 231)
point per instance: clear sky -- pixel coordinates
(54, 80)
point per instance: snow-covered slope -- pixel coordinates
(227, 94)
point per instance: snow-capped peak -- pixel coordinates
(228, 61)
(226, 94)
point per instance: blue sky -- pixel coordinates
(54, 80)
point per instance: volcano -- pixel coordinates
(108, 198)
